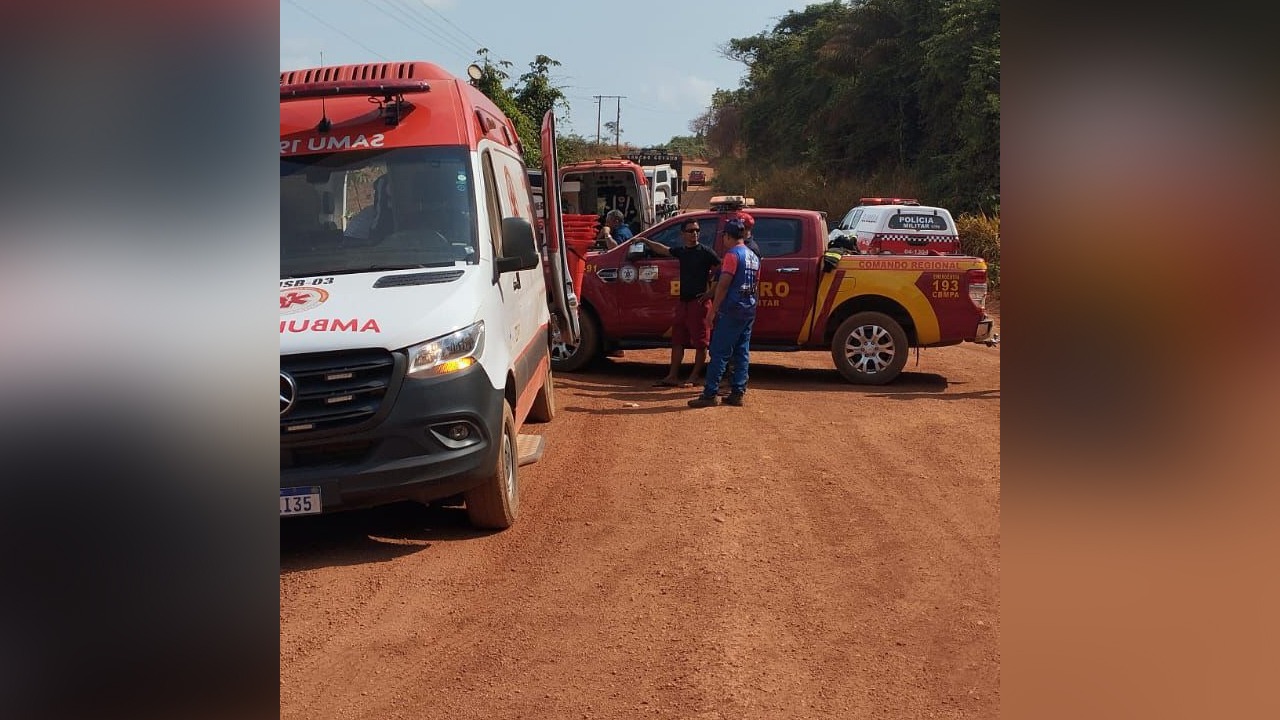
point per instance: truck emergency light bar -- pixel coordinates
(887, 201)
(337, 88)
(731, 202)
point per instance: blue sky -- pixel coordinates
(662, 57)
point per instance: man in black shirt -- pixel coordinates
(689, 326)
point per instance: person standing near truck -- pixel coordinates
(748, 222)
(691, 324)
(734, 311)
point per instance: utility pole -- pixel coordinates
(617, 122)
(617, 126)
(597, 97)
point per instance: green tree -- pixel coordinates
(906, 90)
(525, 101)
(721, 124)
(962, 68)
(775, 109)
(612, 128)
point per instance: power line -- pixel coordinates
(412, 20)
(464, 32)
(415, 9)
(337, 30)
(644, 108)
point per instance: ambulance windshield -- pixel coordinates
(351, 212)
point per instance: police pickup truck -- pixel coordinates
(866, 310)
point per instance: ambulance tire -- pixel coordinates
(885, 354)
(544, 403)
(571, 358)
(495, 504)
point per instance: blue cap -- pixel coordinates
(735, 227)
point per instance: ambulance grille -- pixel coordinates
(335, 390)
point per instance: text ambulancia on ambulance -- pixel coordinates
(415, 301)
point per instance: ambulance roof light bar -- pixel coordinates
(391, 92)
(337, 88)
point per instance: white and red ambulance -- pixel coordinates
(416, 292)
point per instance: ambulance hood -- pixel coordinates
(389, 310)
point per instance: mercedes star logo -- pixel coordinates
(288, 392)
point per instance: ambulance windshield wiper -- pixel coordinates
(406, 266)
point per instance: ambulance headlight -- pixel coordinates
(450, 353)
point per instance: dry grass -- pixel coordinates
(801, 188)
(980, 236)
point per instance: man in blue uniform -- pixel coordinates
(734, 311)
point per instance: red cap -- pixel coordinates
(746, 219)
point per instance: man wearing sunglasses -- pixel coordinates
(690, 326)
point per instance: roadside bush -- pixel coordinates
(980, 236)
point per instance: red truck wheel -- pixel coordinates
(869, 348)
(570, 358)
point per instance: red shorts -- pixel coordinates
(689, 328)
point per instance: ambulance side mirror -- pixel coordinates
(519, 250)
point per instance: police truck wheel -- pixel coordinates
(869, 348)
(571, 358)
(544, 404)
(495, 504)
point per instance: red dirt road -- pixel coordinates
(827, 551)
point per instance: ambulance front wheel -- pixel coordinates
(566, 357)
(495, 504)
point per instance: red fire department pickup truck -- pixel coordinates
(866, 310)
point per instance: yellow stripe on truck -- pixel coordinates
(899, 286)
(896, 278)
(824, 287)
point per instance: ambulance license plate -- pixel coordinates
(299, 501)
